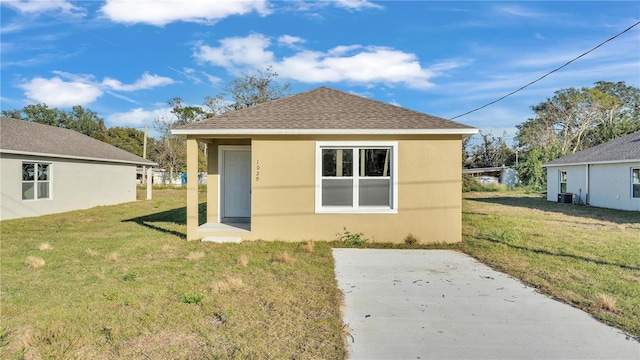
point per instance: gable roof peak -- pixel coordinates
(324, 110)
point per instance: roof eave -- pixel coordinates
(626, 161)
(60, 156)
(465, 131)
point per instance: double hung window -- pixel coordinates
(356, 177)
(36, 181)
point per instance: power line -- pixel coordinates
(547, 74)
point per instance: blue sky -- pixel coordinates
(124, 59)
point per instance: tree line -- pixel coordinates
(571, 120)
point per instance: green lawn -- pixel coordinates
(121, 281)
(585, 256)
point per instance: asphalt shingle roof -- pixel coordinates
(324, 109)
(24, 137)
(626, 148)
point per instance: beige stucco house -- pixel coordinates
(46, 169)
(309, 165)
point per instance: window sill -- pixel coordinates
(350, 210)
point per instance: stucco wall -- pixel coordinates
(576, 182)
(74, 185)
(609, 185)
(283, 192)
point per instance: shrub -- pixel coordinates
(243, 260)
(191, 298)
(351, 239)
(308, 247)
(606, 302)
(284, 258)
(411, 239)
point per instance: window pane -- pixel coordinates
(337, 192)
(636, 176)
(28, 172)
(374, 192)
(43, 190)
(636, 190)
(375, 162)
(28, 191)
(337, 162)
(43, 171)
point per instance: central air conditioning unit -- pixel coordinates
(565, 198)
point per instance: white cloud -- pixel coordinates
(67, 89)
(356, 4)
(40, 6)
(57, 92)
(238, 52)
(137, 117)
(288, 40)
(147, 81)
(518, 11)
(160, 13)
(352, 63)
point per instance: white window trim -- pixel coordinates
(357, 210)
(36, 181)
(221, 151)
(631, 181)
(560, 182)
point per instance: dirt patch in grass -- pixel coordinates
(195, 255)
(34, 262)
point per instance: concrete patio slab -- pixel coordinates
(439, 304)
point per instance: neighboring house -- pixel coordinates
(606, 175)
(46, 169)
(309, 165)
(494, 175)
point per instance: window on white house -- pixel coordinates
(357, 177)
(635, 183)
(36, 181)
(563, 181)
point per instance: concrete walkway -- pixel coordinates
(439, 304)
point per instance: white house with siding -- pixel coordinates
(46, 169)
(606, 175)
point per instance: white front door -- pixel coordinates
(237, 183)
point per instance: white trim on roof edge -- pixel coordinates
(59, 156)
(470, 131)
(593, 163)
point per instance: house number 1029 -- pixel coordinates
(257, 170)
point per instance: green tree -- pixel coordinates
(82, 120)
(573, 120)
(131, 140)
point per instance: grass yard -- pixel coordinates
(121, 282)
(587, 257)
